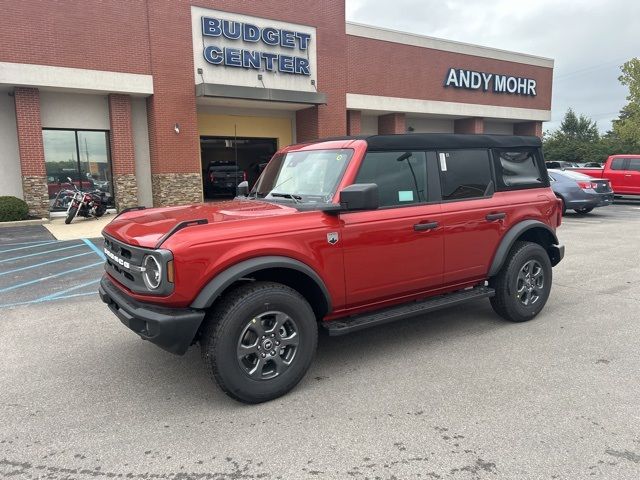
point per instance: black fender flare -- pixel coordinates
(514, 233)
(222, 280)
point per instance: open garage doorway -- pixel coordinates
(227, 161)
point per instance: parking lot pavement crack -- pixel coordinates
(621, 294)
(17, 469)
(626, 455)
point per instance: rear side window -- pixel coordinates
(464, 173)
(401, 176)
(617, 164)
(517, 169)
(634, 164)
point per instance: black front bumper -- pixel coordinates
(172, 329)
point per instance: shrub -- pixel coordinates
(12, 209)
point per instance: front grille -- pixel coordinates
(126, 268)
(129, 275)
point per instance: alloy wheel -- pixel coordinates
(268, 345)
(530, 283)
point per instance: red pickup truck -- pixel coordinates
(622, 171)
(342, 234)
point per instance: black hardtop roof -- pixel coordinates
(422, 141)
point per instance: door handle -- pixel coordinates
(495, 216)
(420, 227)
(627, 174)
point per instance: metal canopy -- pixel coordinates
(264, 94)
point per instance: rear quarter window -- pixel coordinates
(518, 168)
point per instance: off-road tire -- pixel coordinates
(505, 302)
(223, 328)
(71, 215)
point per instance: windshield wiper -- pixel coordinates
(295, 198)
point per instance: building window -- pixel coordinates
(79, 155)
(401, 176)
(464, 174)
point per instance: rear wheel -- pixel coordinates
(523, 284)
(100, 211)
(259, 341)
(71, 214)
(583, 211)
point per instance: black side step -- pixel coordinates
(359, 322)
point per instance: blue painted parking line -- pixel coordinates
(59, 294)
(24, 243)
(44, 263)
(56, 296)
(37, 280)
(92, 246)
(20, 257)
(28, 246)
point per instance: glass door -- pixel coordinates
(79, 155)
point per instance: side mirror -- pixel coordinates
(360, 196)
(242, 190)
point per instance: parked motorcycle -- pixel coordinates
(86, 204)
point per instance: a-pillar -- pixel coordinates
(123, 165)
(469, 125)
(30, 145)
(354, 122)
(392, 123)
(528, 128)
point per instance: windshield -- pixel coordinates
(305, 176)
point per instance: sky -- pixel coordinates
(588, 40)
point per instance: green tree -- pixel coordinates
(626, 128)
(576, 140)
(579, 128)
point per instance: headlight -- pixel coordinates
(152, 274)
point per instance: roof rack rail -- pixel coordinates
(180, 226)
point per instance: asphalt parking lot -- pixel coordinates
(458, 394)
(43, 270)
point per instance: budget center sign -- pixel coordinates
(234, 49)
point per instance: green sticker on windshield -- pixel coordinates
(339, 157)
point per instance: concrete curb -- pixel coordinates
(21, 223)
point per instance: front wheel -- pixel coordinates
(523, 284)
(71, 214)
(259, 341)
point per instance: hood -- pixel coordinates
(145, 228)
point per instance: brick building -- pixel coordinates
(141, 98)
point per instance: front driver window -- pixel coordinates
(401, 176)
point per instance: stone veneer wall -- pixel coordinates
(176, 189)
(36, 195)
(126, 191)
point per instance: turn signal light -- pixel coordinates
(170, 271)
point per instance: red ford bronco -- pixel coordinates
(344, 234)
